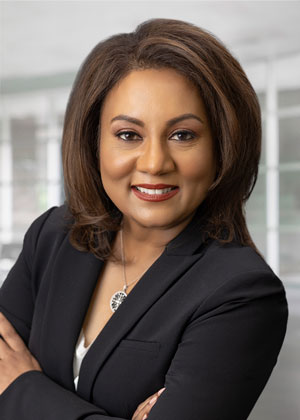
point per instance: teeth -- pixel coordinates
(153, 192)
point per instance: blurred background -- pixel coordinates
(43, 43)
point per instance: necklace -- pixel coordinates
(119, 296)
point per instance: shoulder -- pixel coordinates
(238, 272)
(233, 280)
(46, 231)
(234, 258)
(56, 219)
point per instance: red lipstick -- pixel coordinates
(154, 197)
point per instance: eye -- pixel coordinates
(127, 135)
(182, 135)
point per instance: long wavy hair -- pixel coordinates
(233, 112)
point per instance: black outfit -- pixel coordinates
(206, 321)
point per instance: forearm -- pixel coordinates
(34, 396)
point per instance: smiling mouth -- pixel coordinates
(154, 194)
(153, 191)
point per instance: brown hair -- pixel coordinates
(231, 104)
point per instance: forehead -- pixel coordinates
(161, 90)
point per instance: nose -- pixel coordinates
(155, 157)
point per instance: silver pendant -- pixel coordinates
(116, 300)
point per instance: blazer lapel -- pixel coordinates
(166, 270)
(72, 281)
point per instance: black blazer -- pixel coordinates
(206, 321)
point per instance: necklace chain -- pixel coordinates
(119, 296)
(123, 262)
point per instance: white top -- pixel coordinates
(80, 352)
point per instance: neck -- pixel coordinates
(147, 242)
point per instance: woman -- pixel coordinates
(161, 146)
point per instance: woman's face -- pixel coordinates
(154, 130)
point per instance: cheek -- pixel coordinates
(113, 164)
(198, 168)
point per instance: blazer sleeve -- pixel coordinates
(224, 358)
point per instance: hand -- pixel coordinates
(15, 358)
(143, 410)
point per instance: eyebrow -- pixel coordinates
(170, 122)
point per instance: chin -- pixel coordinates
(156, 221)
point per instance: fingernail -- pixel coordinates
(161, 391)
(153, 400)
(145, 416)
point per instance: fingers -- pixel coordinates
(145, 407)
(3, 348)
(15, 357)
(9, 335)
(146, 411)
(147, 401)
